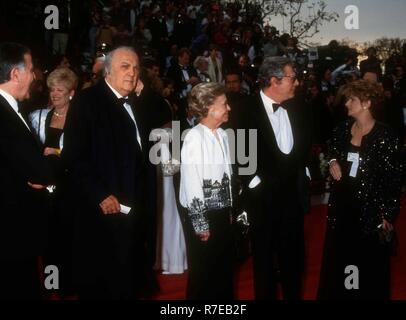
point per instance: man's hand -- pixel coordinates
(49, 151)
(204, 236)
(139, 86)
(335, 170)
(110, 205)
(36, 186)
(193, 80)
(386, 225)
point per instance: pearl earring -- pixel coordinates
(70, 97)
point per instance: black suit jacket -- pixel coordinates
(101, 150)
(103, 158)
(274, 172)
(23, 210)
(176, 74)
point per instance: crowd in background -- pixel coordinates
(181, 44)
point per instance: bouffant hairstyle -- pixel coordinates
(202, 97)
(63, 76)
(366, 91)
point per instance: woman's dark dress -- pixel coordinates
(60, 248)
(348, 241)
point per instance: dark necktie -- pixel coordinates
(276, 106)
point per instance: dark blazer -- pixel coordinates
(270, 168)
(175, 73)
(23, 210)
(103, 158)
(276, 206)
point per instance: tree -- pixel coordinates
(386, 47)
(305, 27)
(302, 25)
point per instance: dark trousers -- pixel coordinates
(211, 263)
(277, 246)
(19, 279)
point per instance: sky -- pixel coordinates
(377, 18)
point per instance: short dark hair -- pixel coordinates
(272, 67)
(149, 63)
(11, 56)
(233, 71)
(182, 51)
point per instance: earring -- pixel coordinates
(70, 97)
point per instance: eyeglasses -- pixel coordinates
(292, 78)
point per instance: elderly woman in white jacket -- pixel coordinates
(205, 192)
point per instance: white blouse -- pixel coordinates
(205, 174)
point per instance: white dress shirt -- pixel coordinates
(13, 103)
(129, 111)
(186, 77)
(280, 124)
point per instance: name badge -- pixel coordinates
(354, 158)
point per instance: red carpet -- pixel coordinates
(173, 286)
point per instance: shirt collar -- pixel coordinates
(118, 95)
(267, 101)
(10, 99)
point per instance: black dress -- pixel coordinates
(52, 137)
(352, 239)
(60, 222)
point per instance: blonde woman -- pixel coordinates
(48, 123)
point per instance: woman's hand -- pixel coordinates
(50, 151)
(335, 170)
(204, 236)
(386, 225)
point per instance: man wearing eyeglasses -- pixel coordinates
(276, 190)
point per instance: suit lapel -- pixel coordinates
(118, 117)
(264, 125)
(291, 108)
(16, 119)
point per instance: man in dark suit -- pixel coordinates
(277, 191)
(236, 97)
(184, 77)
(24, 174)
(105, 153)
